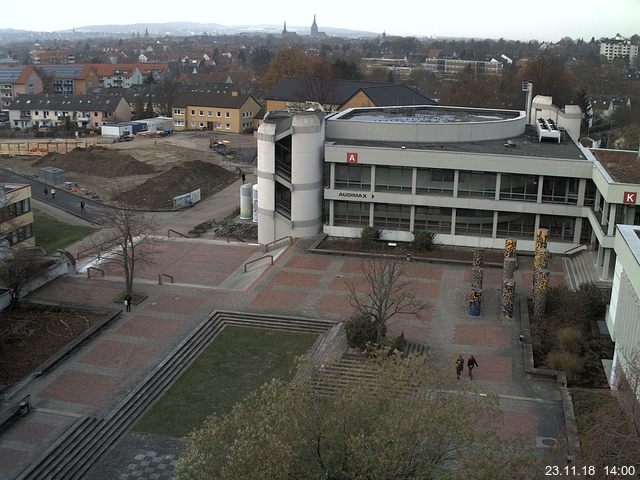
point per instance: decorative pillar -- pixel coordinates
(475, 302)
(478, 258)
(541, 238)
(477, 275)
(510, 248)
(540, 293)
(508, 294)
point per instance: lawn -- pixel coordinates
(236, 363)
(52, 234)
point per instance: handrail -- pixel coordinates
(253, 261)
(94, 268)
(175, 231)
(565, 253)
(266, 247)
(170, 277)
(96, 247)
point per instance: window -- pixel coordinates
(209, 113)
(350, 213)
(178, 123)
(201, 125)
(392, 216)
(202, 113)
(560, 228)
(95, 114)
(396, 179)
(35, 113)
(560, 190)
(477, 184)
(193, 124)
(435, 180)
(193, 112)
(19, 235)
(178, 111)
(283, 200)
(519, 187)
(353, 176)
(433, 219)
(590, 193)
(218, 114)
(516, 225)
(227, 126)
(474, 222)
(227, 115)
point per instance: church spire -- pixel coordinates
(284, 30)
(314, 26)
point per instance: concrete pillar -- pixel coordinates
(373, 179)
(412, 218)
(606, 265)
(414, 182)
(331, 212)
(577, 230)
(611, 229)
(371, 214)
(332, 176)
(582, 188)
(540, 183)
(494, 230)
(498, 180)
(456, 178)
(453, 221)
(600, 255)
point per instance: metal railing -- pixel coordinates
(575, 249)
(96, 269)
(257, 259)
(170, 277)
(97, 248)
(266, 247)
(176, 232)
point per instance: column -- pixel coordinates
(332, 177)
(456, 177)
(582, 188)
(373, 179)
(414, 182)
(606, 264)
(453, 221)
(498, 179)
(540, 183)
(412, 218)
(494, 231)
(331, 212)
(611, 230)
(577, 230)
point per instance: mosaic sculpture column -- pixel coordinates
(478, 258)
(542, 236)
(540, 292)
(477, 275)
(540, 262)
(508, 294)
(475, 302)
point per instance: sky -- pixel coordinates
(509, 19)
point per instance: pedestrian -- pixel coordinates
(46, 191)
(244, 177)
(459, 366)
(82, 209)
(53, 193)
(470, 364)
(127, 303)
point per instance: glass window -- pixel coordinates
(590, 193)
(227, 115)
(392, 216)
(476, 184)
(353, 176)
(283, 200)
(396, 179)
(435, 180)
(202, 113)
(474, 222)
(560, 228)
(433, 219)
(519, 187)
(560, 190)
(516, 225)
(350, 213)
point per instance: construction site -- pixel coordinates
(146, 173)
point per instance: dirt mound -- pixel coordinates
(158, 192)
(96, 161)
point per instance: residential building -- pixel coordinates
(118, 75)
(16, 81)
(604, 105)
(294, 92)
(45, 56)
(222, 112)
(68, 79)
(619, 47)
(455, 66)
(16, 218)
(158, 71)
(88, 111)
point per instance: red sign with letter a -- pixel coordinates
(352, 157)
(630, 198)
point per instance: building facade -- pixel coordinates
(231, 113)
(454, 66)
(16, 217)
(20, 80)
(619, 47)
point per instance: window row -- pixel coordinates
(19, 235)
(470, 183)
(209, 113)
(15, 210)
(476, 223)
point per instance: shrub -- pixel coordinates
(571, 364)
(592, 300)
(398, 343)
(360, 331)
(422, 241)
(570, 339)
(369, 235)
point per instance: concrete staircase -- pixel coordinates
(80, 447)
(581, 269)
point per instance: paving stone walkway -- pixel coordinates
(98, 375)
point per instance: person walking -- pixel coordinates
(46, 192)
(53, 193)
(459, 366)
(82, 209)
(470, 364)
(127, 303)
(244, 177)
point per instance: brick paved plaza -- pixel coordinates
(93, 379)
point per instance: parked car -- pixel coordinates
(126, 137)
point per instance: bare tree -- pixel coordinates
(166, 93)
(629, 380)
(18, 269)
(132, 243)
(388, 295)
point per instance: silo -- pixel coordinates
(245, 201)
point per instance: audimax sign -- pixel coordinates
(630, 198)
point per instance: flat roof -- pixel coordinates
(525, 145)
(426, 114)
(622, 165)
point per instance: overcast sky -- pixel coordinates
(510, 19)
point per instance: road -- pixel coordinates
(67, 201)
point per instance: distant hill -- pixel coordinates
(8, 35)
